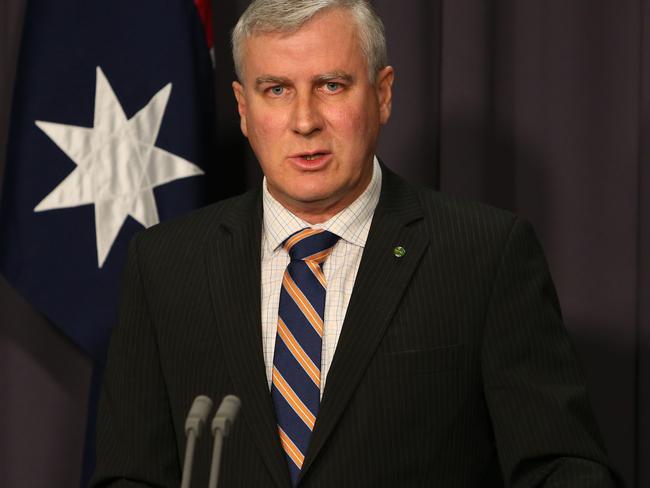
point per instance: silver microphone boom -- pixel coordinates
(194, 423)
(221, 425)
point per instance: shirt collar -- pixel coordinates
(351, 224)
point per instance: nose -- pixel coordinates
(307, 118)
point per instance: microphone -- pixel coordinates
(194, 423)
(221, 425)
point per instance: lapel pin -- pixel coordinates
(399, 252)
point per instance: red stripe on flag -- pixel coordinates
(205, 12)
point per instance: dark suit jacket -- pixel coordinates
(453, 368)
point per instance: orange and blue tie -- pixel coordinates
(297, 358)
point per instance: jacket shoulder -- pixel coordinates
(193, 230)
(463, 212)
(443, 211)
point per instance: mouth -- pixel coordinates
(311, 160)
(312, 157)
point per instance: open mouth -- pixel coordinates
(312, 157)
(311, 160)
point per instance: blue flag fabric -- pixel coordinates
(112, 130)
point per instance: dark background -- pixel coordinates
(538, 106)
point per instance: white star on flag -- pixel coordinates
(118, 164)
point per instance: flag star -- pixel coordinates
(118, 164)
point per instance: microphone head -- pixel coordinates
(198, 414)
(226, 414)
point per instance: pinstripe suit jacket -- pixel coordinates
(453, 368)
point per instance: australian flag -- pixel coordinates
(112, 131)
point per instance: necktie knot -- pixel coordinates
(310, 245)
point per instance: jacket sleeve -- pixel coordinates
(544, 428)
(134, 418)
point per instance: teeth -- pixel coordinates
(311, 158)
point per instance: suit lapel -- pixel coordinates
(381, 281)
(234, 276)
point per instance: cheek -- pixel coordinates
(265, 128)
(355, 121)
(348, 124)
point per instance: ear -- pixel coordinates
(240, 96)
(384, 89)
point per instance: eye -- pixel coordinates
(277, 90)
(332, 86)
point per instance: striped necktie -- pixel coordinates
(297, 358)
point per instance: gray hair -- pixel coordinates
(265, 16)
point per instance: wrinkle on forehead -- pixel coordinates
(297, 47)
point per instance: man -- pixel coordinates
(378, 334)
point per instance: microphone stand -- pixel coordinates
(194, 423)
(221, 425)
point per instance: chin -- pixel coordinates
(311, 198)
(310, 191)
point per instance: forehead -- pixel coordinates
(328, 42)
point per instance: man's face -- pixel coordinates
(311, 114)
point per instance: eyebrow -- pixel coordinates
(279, 80)
(334, 75)
(323, 78)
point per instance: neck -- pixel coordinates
(319, 211)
